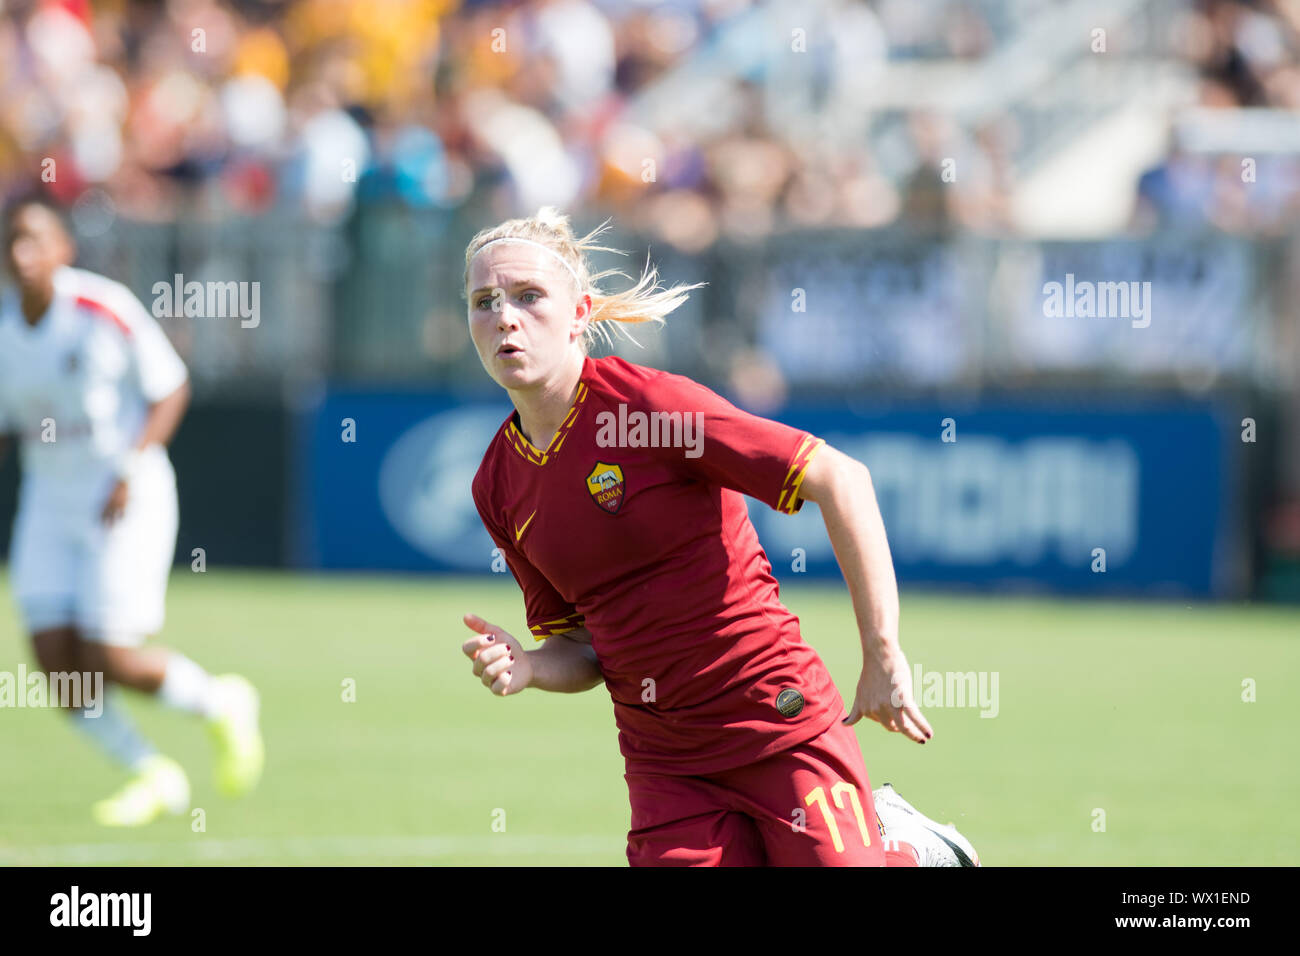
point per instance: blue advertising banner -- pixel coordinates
(1039, 494)
(1032, 493)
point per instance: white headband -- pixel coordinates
(539, 246)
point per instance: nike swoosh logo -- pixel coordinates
(518, 530)
(962, 858)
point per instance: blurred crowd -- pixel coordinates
(1247, 55)
(219, 107)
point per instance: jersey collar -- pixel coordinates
(526, 449)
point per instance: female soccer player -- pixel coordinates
(94, 390)
(614, 492)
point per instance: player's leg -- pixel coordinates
(116, 607)
(158, 784)
(172, 677)
(122, 601)
(228, 703)
(44, 567)
(55, 649)
(812, 804)
(85, 700)
(42, 572)
(94, 711)
(686, 821)
(843, 816)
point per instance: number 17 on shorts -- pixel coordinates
(845, 796)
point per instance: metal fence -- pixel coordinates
(379, 299)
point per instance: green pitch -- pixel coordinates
(1134, 711)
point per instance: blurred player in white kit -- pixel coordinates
(93, 391)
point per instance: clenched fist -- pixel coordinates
(499, 660)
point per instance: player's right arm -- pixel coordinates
(564, 664)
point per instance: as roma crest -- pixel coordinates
(606, 486)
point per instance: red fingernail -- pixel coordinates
(512, 657)
(491, 638)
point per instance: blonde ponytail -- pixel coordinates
(646, 301)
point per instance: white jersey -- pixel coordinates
(76, 387)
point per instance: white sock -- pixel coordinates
(188, 687)
(114, 732)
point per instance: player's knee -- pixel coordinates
(95, 658)
(130, 667)
(56, 649)
(58, 654)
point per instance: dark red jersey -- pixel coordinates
(633, 524)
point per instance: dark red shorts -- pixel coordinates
(807, 806)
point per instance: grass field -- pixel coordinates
(1135, 709)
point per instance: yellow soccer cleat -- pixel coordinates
(159, 786)
(241, 754)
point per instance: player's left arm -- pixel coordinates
(164, 383)
(782, 466)
(843, 489)
(160, 425)
(164, 417)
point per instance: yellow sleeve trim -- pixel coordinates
(789, 502)
(544, 629)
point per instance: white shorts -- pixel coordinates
(68, 568)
